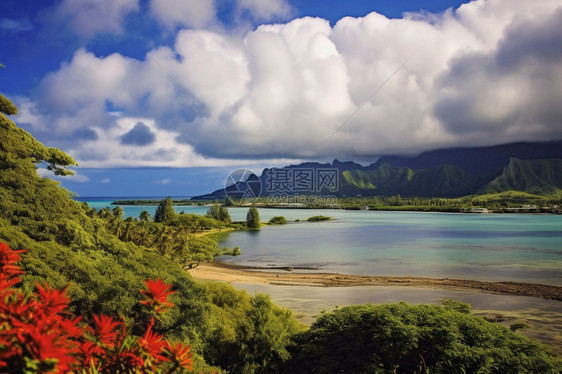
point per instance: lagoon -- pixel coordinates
(487, 247)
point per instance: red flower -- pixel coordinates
(105, 329)
(8, 271)
(8, 257)
(157, 295)
(53, 301)
(179, 355)
(153, 343)
(35, 329)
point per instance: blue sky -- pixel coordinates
(165, 97)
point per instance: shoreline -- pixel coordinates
(230, 273)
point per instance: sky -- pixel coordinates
(166, 97)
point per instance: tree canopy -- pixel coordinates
(402, 338)
(253, 218)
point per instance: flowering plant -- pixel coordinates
(38, 334)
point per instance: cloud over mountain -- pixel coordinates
(489, 72)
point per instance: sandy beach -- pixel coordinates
(240, 274)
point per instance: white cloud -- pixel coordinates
(88, 17)
(165, 181)
(488, 73)
(106, 180)
(183, 13)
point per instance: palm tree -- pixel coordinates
(118, 212)
(145, 216)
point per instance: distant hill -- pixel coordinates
(528, 167)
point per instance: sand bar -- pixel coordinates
(244, 274)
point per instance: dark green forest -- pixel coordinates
(105, 258)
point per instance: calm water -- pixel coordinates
(492, 247)
(515, 247)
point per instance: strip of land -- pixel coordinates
(245, 274)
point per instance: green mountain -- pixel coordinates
(529, 167)
(439, 181)
(532, 176)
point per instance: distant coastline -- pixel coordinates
(358, 204)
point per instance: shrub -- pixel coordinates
(278, 220)
(318, 218)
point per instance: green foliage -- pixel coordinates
(6, 106)
(457, 306)
(251, 334)
(144, 216)
(20, 152)
(518, 326)
(318, 218)
(401, 338)
(231, 252)
(278, 220)
(220, 213)
(253, 218)
(165, 212)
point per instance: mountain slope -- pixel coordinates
(532, 176)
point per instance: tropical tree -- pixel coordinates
(144, 216)
(165, 212)
(253, 218)
(118, 212)
(220, 213)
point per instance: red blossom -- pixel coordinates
(153, 343)
(180, 355)
(157, 295)
(8, 257)
(36, 328)
(105, 329)
(53, 301)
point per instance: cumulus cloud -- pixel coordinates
(88, 17)
(106, 180)
(165, 181)
(489, 72)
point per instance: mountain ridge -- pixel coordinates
(449, 172)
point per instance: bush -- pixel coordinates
(319, 218)
(401, 338)
(278, 220)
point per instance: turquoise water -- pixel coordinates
(526, 248)
(492, 247)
